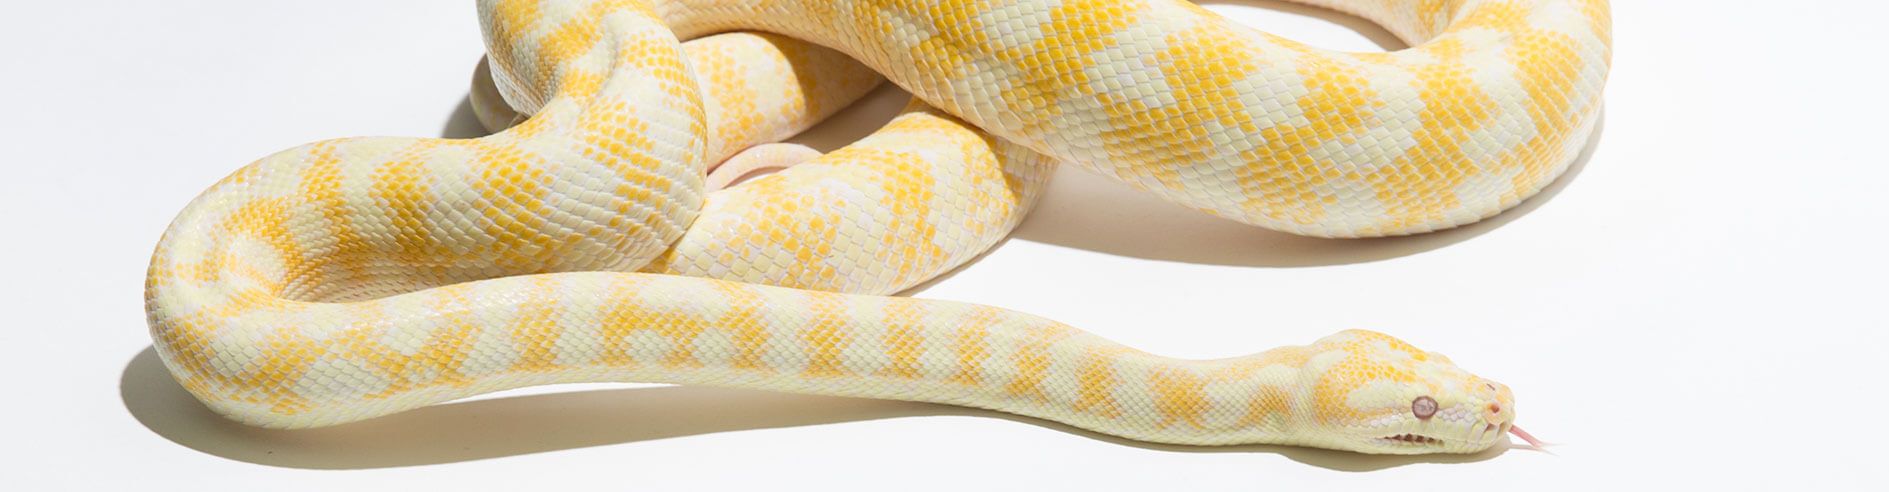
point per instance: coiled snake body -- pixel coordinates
(348, 279)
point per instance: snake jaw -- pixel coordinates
(1412, 438)
(1430, 442)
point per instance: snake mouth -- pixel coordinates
(1411, 439)
(1489, 432)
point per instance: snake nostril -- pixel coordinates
(1495, 408)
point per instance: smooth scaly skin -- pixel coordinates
(1492, 103)
(354, 278)
(914, 200)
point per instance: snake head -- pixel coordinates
(1372, 393)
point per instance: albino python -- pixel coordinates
(348, 279)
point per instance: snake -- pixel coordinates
(604, 234)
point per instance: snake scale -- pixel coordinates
(348, 279)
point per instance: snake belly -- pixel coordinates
(353, 278)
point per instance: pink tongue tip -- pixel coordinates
(1530, 439)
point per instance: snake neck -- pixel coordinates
(312, 365)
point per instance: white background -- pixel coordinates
(1698, 304)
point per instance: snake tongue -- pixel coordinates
(1530, 439)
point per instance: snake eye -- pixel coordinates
(1424, 407)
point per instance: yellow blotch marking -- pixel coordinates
(1096, 382)
(1033, 359)
(343, 262)
(904, 338)
(243, 175)
(999, 190)
(738, 121)
(1548, 67)
(265, 221)
(843, 79)
(799, 214)
(624, 316)
(1267, 407)
(909, 191)
(642, 201)
(826, 337)
(512, 184)
(442, 354)
(511, 21)
(569, 40)
(1180, 396)
(744, 320)
(628, 315)
(1500, 16)
(1331, 394)
(1206, 63)
(400, 190)
(450, 347)
(972, 344)
(241, 298)
(761, 85)
(534, 329)
(1052, 67)
(961, 36)
(657, 56)
(1600, 18)
(579, 83)
(1420, 187)
(1282, 178)
(239, 301)
(286, 356)
(1435, 13)
(187, 340)
(789, 219)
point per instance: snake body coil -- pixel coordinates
(353, 278)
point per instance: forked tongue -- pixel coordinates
(1530, 439)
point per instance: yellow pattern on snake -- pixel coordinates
(353, 278)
